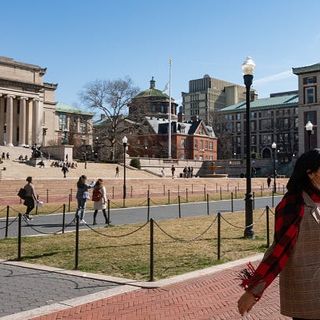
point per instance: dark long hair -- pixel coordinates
(307, 163)
(81, 181)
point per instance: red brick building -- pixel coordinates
(190, 140)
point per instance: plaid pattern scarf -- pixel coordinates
(288, 216)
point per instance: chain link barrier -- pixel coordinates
(3, 209)
(34, 228)
(10, 223)
(186, 240)
(233, 225)
(116, 236)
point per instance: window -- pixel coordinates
(253, 125)
(182, 143)
(310, 95)
(265, 124)
(83, 127)
(238, 126)
(238, 116)
(310, 116)
(62, 122)
(309, 80)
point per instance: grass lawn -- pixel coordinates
(129, 256)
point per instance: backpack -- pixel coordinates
(96, 195)
(22, 193)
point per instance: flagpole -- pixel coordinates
(169, 113)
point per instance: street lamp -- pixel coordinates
(124, 142)
(248, 70)
(274, 147)
(309, 127)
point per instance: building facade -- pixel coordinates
(208, 95)
(27, 104)
(28, 110)
(273, 119)
(309, 104)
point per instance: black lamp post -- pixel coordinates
(124, 142)
(274, 149)
(248, 69)
(309, 127)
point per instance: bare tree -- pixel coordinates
(111, 98)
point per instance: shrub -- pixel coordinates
(135, 162)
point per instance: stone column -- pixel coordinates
(9, 121)
(37, 122)
(22, 121)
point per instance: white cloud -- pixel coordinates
(274, 77)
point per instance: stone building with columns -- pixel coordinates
(27, 104)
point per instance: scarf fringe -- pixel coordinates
(246, 275)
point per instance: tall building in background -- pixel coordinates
(207, 95)
(309, 104)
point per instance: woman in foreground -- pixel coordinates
(295, 252)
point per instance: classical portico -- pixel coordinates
(27, 104)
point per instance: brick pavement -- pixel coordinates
(208, 297)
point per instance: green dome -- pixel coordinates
(152, 92)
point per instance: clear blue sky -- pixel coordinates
(80, 41)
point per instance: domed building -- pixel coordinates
(152, 102)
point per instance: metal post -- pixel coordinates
(274, 171)
(231, 201)
(108, 211)
(148, 207)
(219, 236)
(131, 190)
(164, 189)
(112, 192)
(63, 217)
(261, 192)
(71, 194)
(272, 199)
(69, 203)
(124, 175)
(19, 236)
(178, 189)
(235, 193)
(228, 187)
(168, 196)
(151, 276)
(248, 231)
(186, 194)
(47, 195)
(268, 227)
(76, 261)
(208, 205)
(253, 200)
(179, 204)
(7, 222)
(220, 193)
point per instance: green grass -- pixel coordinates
(129, 256)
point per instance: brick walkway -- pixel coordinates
(204, 298)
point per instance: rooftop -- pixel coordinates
(12, 62)
(152, 92)
(306, 69)
(289, 100)
(62, 107)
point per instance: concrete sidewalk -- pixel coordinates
(202, 295)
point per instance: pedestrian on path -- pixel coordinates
(117, 172)
(64, 170)
(295, 252)
(99, 198)
(269, 181)
(82, 196)
(173, 169)
(30, 197)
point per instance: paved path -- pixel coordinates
(25, 289)
(208, 297)
(52, 223)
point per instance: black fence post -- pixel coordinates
(178, 189)
(187, 195)
(131, 191)
(261, 191)
(69, 203)
(204, 192)
(108, 211)
(148, 207)
(219, 236)
(47, 195)
(208, 206)
(192, 188)
(164, 189)
(112, 192)
(168, 196)
(231, 201)
(268, 227)
(7, 222)
(253, 200)
(179, 204)
(151, 275)
(235, 193)
(76, 260)
(220, 193)
(272, 199)
(19, 236)
(228, 187)
(63, 217)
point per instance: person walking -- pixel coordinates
(99, 198)
(82, 196)
(64, 170)
(269, 181)
(295, 252)
(117, 172)
(173, 169)
(30, 198)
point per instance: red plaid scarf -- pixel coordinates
(288, 216)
